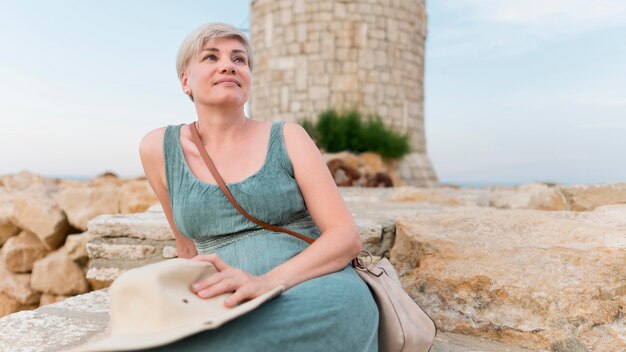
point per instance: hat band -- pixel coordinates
(211, 243)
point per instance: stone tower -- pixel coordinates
(311, 55)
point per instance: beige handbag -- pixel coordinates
(403, 325)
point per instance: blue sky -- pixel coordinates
(515, 91)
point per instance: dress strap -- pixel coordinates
(172, 157)
(281, 150)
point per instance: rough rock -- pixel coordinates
(57, 327)
(377, 236)
(589, 197)
(20, 252)
(350, 159)
(531, 196)
(65, 183)
(58, 274)
(7, 230)
(523, 277)
(357, 195)
(36, 211)
(106, 179)
(121, 242)
(343, 174)
(367, 169)
(110, 257)
(372, 163)
(10, 305)
(82, 204)
(448, 196)
(136, 196)
(169, 252)
(76, 247)
(423, 195)
(147, 225)
(103, 276)
(379, 179)
(95, 284)
(47, 298)
(65, 325)
(25, 179)
(17, 286)
(7, 227)
(115, 250)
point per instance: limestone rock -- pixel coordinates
(147, 225)
(65, 183)
(532, 196)
(589, 197)
(76, 247)
(367, 169)
(25, 179)
(376, 236)
(119, 251)
(7, 227)
(349, 159)
(60, 327)
(169, 252)
(47, 298)
(17, 286)
(36, 211)
(422, 195)
(20, 252)
(58, 274)
(7, 230)
(136, 197)
(82, 204)
(353, 195)
(95, 284)
(10, 305)
(372, 163)
(106, 179)
(343, 174)
(379, 179)
(523, 277)
(103, 275)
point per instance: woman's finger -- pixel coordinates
(243, 293)
(224, 286)
(209, 281)
(213, 258)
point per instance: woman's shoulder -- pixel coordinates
(151, 145)
(152, 142)
(295, 135)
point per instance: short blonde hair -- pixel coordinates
(194, 43)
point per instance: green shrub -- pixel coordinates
(336, 132)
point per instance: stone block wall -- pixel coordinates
(312, 55)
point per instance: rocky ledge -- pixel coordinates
(536, 267)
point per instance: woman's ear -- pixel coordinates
(183, 83)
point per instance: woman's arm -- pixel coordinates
(153, 161)
(338, 243)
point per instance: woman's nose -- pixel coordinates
(228, 68)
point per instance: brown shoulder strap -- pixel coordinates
(195, 137)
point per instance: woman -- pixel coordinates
(276, 173)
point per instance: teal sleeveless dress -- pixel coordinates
(333, 312)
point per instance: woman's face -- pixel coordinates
(219, 75)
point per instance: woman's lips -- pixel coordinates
(228, 81)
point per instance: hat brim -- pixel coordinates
(131, 342)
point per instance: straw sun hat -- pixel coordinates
(152, 306)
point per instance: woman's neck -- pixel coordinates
(221, 126)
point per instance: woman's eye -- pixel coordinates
(239, 59)
(210, 57)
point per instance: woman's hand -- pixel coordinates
(228, 279)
